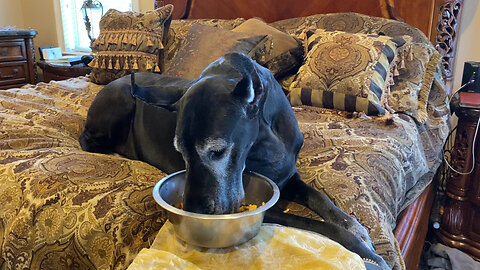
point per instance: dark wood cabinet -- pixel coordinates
(17, 58)
(460, 226)
(61, 72)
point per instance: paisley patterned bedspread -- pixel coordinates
(61, 207)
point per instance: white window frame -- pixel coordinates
(59, 25)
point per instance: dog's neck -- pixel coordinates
(278, 136)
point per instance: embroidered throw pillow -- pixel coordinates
(205, 44)
(412, 86)
(287, 52)
(179, 29)
(345, 71)
(130, 42)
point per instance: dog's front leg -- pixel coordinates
(332, 231)
(298, 191)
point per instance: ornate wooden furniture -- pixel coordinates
(438, 19)
(59, 72)
(17, 59)
(461, 218)
(444, 35)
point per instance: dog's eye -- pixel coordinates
(216, 154)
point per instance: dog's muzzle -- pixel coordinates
(212, 196)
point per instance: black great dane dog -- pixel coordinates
(235, 116)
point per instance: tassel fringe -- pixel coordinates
(388, 118)
(125, 38)
(120, 60)
(117, 63)
(94, 63)
(149, 42)
(135, 64)
(127, 63)
(149, 65)
(129, 36)
(133, 41)
(109, 66)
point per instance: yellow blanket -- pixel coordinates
(275, 247)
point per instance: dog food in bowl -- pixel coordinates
(216, 231)
(248, 207)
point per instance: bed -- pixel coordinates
(62, 207)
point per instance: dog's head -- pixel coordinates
(217, 123)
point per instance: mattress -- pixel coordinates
(63, 207)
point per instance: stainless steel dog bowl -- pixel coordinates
(216, 231)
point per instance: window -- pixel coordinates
(74, 32)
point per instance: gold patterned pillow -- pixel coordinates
(130, 42)
(412, 86)
(287, 52)
(178, 31)
(345, 71)
(205, 44)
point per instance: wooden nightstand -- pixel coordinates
(460, 226)
(60, 72)
(17, 58)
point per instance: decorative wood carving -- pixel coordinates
(453, 219)
(461, 160)
(445, 39)
(459, 227)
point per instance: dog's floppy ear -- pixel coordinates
(152, 95)
(249, 89)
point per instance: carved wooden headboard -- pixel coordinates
(438, 19)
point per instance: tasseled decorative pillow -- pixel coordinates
(412, 86)
(348, 72)
(178, 31)
(205, 44)
(287, 52)
(130, 42)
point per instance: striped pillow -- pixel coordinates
(345, 71)
(333, 100)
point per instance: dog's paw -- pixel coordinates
(362, 233)
(376, 260)
(349, 223)
(356, 228)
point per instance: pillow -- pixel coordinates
(179, 29)
(205, 44)
(345, 71)
(412, 86)
(287, 52)
(129, 42)
(351, 23)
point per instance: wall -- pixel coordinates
(40, 16)
(145, 5)
(468, 43)
(11, 13)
